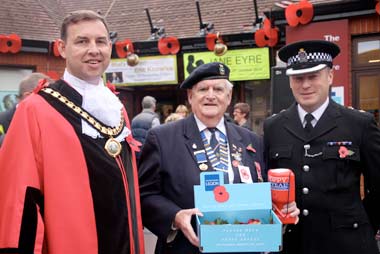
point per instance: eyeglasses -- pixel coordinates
(237, 112)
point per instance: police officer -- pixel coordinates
(327, 146)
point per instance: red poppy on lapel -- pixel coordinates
(112, 87)
(41, 84)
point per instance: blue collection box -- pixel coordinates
(235, 203)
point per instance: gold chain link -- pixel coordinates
(102, 129)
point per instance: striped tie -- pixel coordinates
(214, 144)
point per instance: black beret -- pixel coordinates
(308, 56)
(206, 71)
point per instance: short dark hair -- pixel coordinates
(244, 108)
(78, 16)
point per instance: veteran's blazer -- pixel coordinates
(332, 219)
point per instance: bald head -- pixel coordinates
(30, 82)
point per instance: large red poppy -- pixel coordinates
(55, 48)
(123, 48)
(378, 7)
(10, 43)
(266, 36)
(299, 13)
(168, 45)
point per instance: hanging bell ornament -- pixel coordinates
(220, 48)
(132, 59)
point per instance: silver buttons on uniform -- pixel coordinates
(305, 212)
(306, 168)
(305, 190)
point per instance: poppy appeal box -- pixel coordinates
(236, 217)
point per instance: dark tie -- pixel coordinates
(214, 142)
(308, 118)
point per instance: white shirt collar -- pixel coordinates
(220, 126)
(316, 113)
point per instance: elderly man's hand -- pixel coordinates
(182, 221)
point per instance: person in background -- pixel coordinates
(182, 110)
(8, 102)
(144, 121)
(241, 114)
(173, 117)
(328, 147)
(26, 87)
(68, 178)
(174, 155)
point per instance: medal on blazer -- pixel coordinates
(203, 167)
(201, 159)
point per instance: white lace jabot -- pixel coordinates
(100, 102)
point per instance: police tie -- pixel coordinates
(308, 118)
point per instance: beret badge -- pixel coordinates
(221, 69)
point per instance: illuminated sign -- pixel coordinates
(151, 70)
(245, 64)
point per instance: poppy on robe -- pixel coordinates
(299, 13)
(377, 8)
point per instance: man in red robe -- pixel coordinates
(68, 181)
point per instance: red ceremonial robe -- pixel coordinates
(58, 197)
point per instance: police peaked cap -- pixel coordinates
(206, 71)
(308, 56)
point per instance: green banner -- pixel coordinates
(245, 64)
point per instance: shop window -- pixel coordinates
(367, 52)
(366, 74)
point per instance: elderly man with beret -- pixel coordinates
(174, 154)
(328, 147)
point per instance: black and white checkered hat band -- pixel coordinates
(310, 57)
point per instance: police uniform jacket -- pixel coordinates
(333, 218)
(168, 171)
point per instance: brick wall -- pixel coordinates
(40, 62)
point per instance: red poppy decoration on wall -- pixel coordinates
(299, 13)
(10, 43)
(55, 48)
(266, 36)
(168, 45)
(123, 48)
(378, 7)
(211, 40)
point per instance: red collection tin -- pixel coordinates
(283, 192)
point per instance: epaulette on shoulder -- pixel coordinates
(360, 110)
(275, 114)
